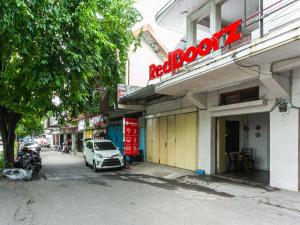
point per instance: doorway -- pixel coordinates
(242, 147)
(232, 136)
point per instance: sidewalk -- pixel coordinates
(185, 179)
(288, 200)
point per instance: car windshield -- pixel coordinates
(105, 146)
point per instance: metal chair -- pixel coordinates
(249, 153)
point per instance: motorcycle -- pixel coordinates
(66, 149)
(29, 160)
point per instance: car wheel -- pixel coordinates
(94, 167)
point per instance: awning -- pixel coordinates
(143, 94)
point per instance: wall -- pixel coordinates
(138, 64)
(284, 135)
(284, 142)
(213, 97)
(280, 18)
(206, 142)
(260, 144)
(167, 106)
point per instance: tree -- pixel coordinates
(58, 49)
(30, 125)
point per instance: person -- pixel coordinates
(67, 146)
(102, 135)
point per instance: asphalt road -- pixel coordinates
(67, 192)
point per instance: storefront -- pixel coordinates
(115, 132)
(171, 128)
(172, 139)
(81, 128)
(94, 127)
(91, 128)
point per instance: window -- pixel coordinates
(105, 145)
(245, 95)
(89, 145)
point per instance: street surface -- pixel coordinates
(69, 193)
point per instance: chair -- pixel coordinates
(232, 161)
(249, 153)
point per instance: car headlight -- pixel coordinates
(99, 156)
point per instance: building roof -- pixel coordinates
(146, 93)
(151, 39)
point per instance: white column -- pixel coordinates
(215, 17)
(206, 142)
(284, 149)
(285, 142)
(73, 138)
(191, 31)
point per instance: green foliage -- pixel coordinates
(62, 48)
(1, 160)
(30, 126)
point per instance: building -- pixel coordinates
(60, 134)
(231, 91)
(150, 50)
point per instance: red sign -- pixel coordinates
(131, 136)
(178, 57)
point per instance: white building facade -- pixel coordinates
(245, 95)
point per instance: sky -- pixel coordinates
(148, 9)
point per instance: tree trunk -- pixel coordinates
(8, 123)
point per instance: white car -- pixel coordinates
(102, 154)
(34, 146)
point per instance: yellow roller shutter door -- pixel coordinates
(149, 141)
(172, 140)
(171, 159)
(163, 140)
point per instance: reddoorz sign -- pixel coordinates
(178, 57)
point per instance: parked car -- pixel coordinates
(34, 146)
(102, 154)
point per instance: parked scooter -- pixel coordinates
(29, 160)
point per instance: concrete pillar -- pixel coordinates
(284, 149)
(191, 31)
(206, 142)
(220, 145)
(73, 147)
(278, 85)
(58, 139)
(215, 17)
(285, 141)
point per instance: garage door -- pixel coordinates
(172, 140)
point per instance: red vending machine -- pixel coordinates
(131, 136)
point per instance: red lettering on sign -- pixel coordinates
(233, 33)
(177, 57)
(204, 47)
(190, 54)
